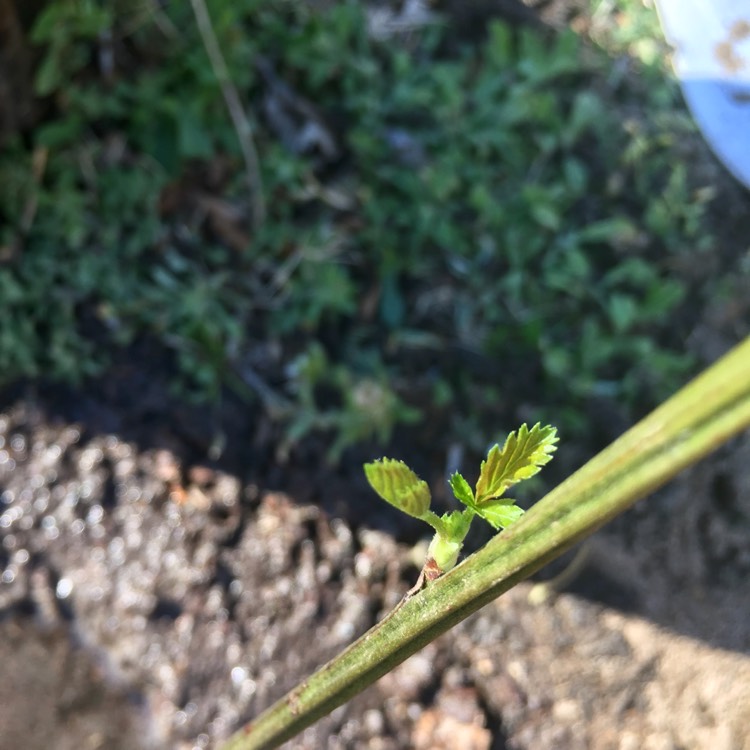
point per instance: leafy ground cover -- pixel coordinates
(457, 236)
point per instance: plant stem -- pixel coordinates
(700, 417)
(435, 521)
(239, 119)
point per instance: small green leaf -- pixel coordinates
(461, 489)
(499, 513)
(456, 524)
(522, 456)
(398, 485)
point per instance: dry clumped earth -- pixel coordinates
(149, 600)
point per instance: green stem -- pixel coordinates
(435, 521)
(445, 547)
(703, 415)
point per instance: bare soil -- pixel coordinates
(153, 602)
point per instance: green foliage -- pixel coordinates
(636, 31)
(521, 457)
(357, 407)
(398, 485)
(66, 29)
(502, 205)
(461, 489)
(484, 187)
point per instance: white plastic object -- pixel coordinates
(711, 42)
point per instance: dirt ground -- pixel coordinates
(152, 600)
(164, 580)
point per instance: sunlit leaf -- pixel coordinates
(522, 456)
(499, 513)
(461, 489)
(398, 485)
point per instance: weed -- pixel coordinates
(489, 228)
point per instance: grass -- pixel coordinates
(460, 238)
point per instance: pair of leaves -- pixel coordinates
(521, 457)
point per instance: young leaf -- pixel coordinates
(461, 489)
(398, 485)
(522, 456)
(456, 524)
(500, 513)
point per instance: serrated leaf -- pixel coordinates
(398, 485)
(500, 513)
(522, 456)
(461, 489)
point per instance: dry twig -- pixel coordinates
(237, 113)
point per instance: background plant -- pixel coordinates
(498, 226)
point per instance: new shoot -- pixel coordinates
(522, 456)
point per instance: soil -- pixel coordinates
(164, 579)
(152, 598)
